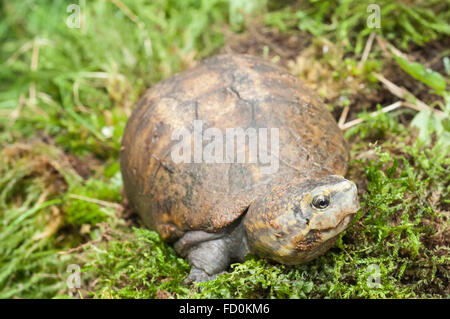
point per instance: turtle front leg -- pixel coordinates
(208, 254)
(208, 259)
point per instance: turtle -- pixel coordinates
(236, 156)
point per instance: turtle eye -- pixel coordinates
(321, 201)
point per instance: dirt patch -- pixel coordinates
(83, 166)
(431, 54)
(266, 42)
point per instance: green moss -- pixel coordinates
(30, 201)
(80, 211)
(136, 265)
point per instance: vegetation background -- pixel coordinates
(66, 94)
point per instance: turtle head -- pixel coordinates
(299, 221)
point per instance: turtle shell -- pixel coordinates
(226, 91)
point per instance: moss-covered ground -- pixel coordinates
(66, 93)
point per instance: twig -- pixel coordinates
(24, 48)
(383, 46)
(43, 196)
(385, 109)
(33, 67)
(47, 99)
(404, 94)
(76, 96)
(16, 113)
(97, 201)
(35, 54)
(412, 106)
(343, 116)
(388, 48)
(122, 6)
(104, 235)
(75, 249)
(367, 50)
(52, 226)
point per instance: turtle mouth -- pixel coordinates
(316, 237)
(331, 232)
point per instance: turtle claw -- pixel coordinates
(199, 275)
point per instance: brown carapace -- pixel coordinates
(198, 201)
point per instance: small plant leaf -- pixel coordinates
(431, 78)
